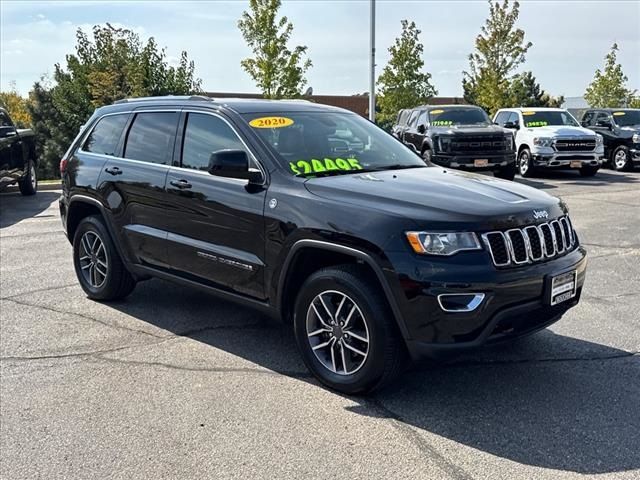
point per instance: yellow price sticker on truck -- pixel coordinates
(617, 114)
(271, 122)
(528, 113)
(318, 166)
(436, 112)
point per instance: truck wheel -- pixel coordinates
(506, 173)
(99, 268)
(589, 171)
(525, 165)
(620, 159)
(29, 183)
(345, 331)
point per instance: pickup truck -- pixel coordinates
(18, 162)
(550, 138)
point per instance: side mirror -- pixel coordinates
(8, 131)
(232, 164)
(512, 125)
(422, 128)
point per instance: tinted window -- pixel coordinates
(587, 118)
(105, 136)
(423, 118)
(4, 120)
(514, 118)
(151, 137)
(205, 134)
(412, 118)
(542, 118)
(404, 114)
(626, 118)
(458, 116)
(501, 118)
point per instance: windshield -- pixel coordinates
(545, 118)
(626, 118)
(330, 143)
(457, 116)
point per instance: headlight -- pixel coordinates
(542, 141)
(636, 138)
(509, 142)
(598, 139)
(430, 243)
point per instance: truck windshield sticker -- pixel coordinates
(528, 113)
(271, 122)
(436, 112)
(317, 166)
(442, 123)
(539, 123)
(617, 114)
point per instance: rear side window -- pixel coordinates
(203, 135)
(423, 118)
(4, 120)
(105, 136)
(587, 118)
(412, 119)
(151, 137)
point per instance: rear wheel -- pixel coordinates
(589, 171)
(620, 159)
(29, 183)
(345, 331)
(99, 269)
(525, 164)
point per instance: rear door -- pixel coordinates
(411, 132)
(134, 184)
(216, 224)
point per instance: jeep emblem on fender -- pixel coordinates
(538, 214)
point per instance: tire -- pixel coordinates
(506, 173)
(621, 159)
(525, 165)
(589, 171)
(384, 353)
(99, 268)
(29, 183)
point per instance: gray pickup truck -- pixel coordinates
(18, 162)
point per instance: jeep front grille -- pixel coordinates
(531, 244)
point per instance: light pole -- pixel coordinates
(372, 66)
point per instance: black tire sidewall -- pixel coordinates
(370, 373)
(93, 224)
(26, 188)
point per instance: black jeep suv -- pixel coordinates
(620, 130)
(461, 137)
(316, 216)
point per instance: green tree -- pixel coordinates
(635, 102)
(525, 91)
(500, 49)
(402, 83)
(17, 106)
(112, 65)
(278, 71)
(608, 88)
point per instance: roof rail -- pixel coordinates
(165, 97)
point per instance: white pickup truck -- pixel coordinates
(551, 138)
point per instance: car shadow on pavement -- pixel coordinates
(15, 207)
(602, 178)
(548, 400)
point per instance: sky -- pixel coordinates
(570, 38)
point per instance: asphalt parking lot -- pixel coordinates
(172, 383)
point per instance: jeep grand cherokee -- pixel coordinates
(316, 216)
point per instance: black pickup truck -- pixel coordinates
(461, 137)
(18, 162)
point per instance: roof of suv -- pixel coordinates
(609, 110)
(239, 105)
(533, 109)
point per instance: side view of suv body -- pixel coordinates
(398, 128)
(620, 129)
(551, 138)
(461, 137)
(313, 215)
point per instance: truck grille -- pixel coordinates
(575, 145)
(480, 144)
(531, 244)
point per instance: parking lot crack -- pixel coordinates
(540, 360)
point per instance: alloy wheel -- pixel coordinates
(337, 332)
(524, 164)
(93, 259)
(620, 159)
(34, 179)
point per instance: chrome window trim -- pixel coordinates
(85, 134)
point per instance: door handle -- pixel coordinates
(181, 184)
(113, 170)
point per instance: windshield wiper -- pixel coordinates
(397, 166)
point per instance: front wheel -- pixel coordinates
(525, 164)
(506, 173)
(345, 330)
(589, 171)
(620, 159)
(29, 183)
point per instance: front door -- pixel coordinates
(216, 224)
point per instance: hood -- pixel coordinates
(474, 130)
(434, 197)
(561, 131)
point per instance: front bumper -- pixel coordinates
(548, 157)
(635, 155)
(468, 162)
(515, 299)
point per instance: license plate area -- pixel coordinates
(563, 287)
(575, 164)
(481, 162)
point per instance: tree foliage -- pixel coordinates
(500, 49)
(278, 71)
(112, 64)
(17, 106)
(525, 91)
(608, 88)
(402, 83)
